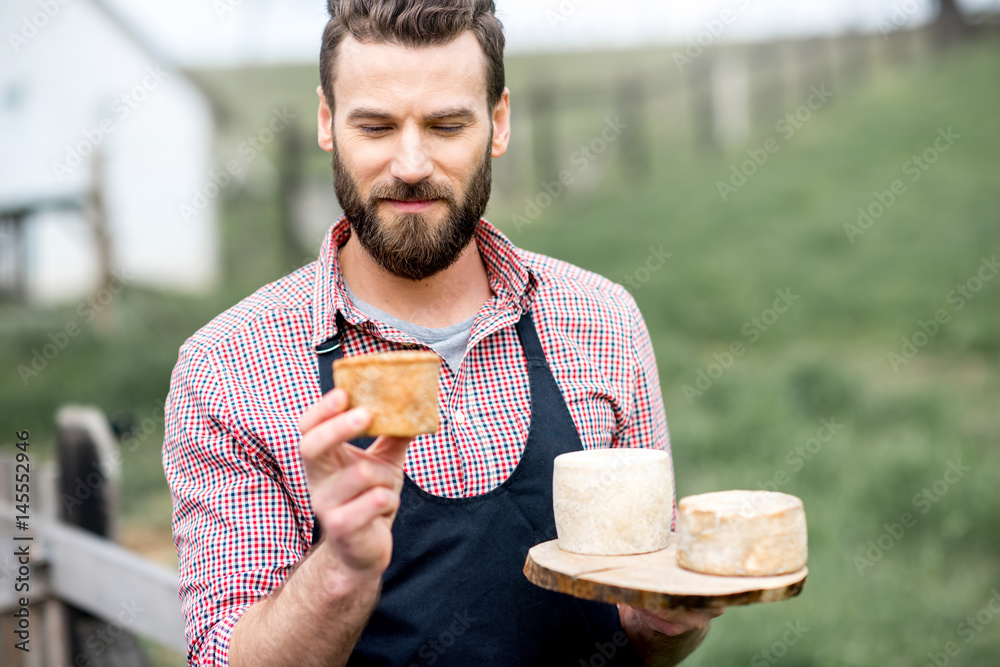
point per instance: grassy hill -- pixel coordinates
(902, 423)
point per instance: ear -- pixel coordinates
(501, 124)
(324, 122)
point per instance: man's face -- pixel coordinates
(412, 142)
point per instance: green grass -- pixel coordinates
(825, 358)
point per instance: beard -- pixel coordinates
(410, 245)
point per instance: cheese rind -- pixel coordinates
(742, 533)
(610, 502)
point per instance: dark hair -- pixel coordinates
(414, 23)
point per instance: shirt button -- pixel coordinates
(459, 417)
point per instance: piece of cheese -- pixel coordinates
(741, 533)
(399, 388)
(613, 501)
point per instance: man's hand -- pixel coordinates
(667, 636)
(319, 611)
(355, 492)
(671, 622)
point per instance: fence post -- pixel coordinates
(730, 86)
(89, 472)
(290, 168)
(630, 102)
(56, 629)
(13, 267)
(700, 83)
(542, 106)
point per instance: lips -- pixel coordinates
(411, 204)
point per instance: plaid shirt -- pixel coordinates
(242, 516)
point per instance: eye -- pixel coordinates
(448, 129)
(374, 129)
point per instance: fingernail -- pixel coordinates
(358, 417)
(336, 399)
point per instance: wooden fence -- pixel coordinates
(76, 596)
(715, 98)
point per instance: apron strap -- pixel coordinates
(529, 339)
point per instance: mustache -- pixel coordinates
(421, 190)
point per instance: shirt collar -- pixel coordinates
(512, 282)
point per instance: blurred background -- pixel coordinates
(803, 198)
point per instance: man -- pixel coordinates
(299, 548)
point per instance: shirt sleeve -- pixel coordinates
(646, 425)
(234, 527)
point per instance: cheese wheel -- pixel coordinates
(610, 502)
(741, 533)
(400, 389)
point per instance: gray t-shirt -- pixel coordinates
(450, 342)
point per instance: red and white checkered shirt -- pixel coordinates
(242, 516)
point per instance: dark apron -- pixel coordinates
(454, 592)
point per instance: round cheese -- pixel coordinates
(741, 533)
(615, 501)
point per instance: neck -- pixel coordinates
(453, 295)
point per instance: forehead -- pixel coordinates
(409, 78)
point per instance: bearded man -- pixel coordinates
(302, 543)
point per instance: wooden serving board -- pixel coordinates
(651, 581)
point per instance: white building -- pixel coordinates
(75, 82)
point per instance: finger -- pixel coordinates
(331, 404)
(390, 449)
(710, 612)
(346, 484)
(675, 621)
(658, 624)
(320, 439)
(343, 522)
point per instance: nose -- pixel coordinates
(411, 163)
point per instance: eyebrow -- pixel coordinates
(365, 113)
